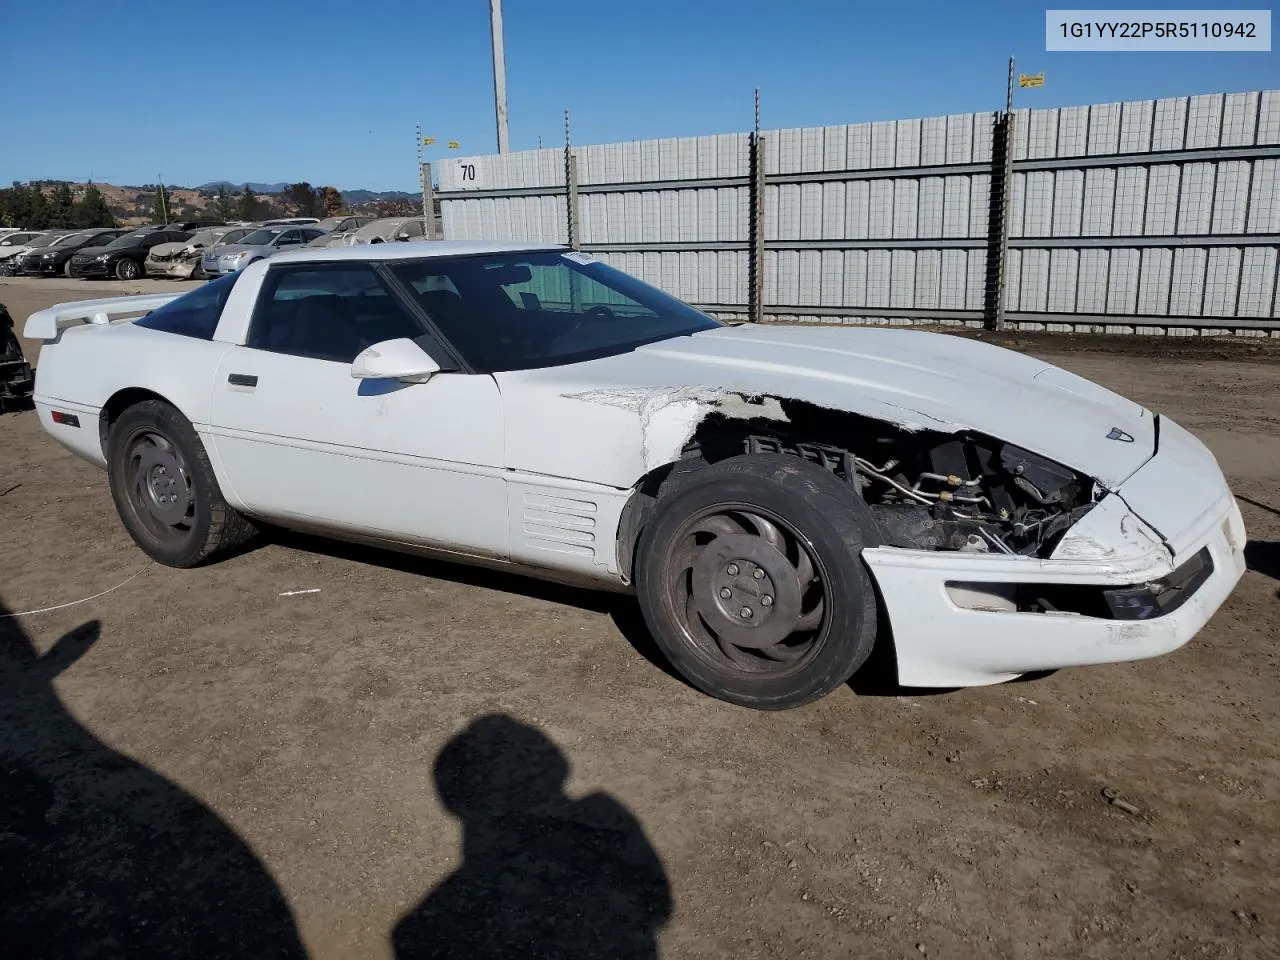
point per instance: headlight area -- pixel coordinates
(1142, 601)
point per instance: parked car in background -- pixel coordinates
(17, 243)
(260, 244)
(388, 229)
(124, 257)
(182, 260)
(17, 380)
(55, 259)
(5, 231)
(11, 254)
(290, 221)
(193, 225)
(337, 230)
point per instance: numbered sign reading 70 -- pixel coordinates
(470, 175)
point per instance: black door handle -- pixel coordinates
(242, 380)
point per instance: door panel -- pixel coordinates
(302, 439)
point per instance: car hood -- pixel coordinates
(168, 249)
(919, 381)
(7, 252)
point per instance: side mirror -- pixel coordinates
(399, 359)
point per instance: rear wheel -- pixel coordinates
(165, 490)
(127, 269)
(751, 580)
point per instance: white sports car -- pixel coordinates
(780, 498)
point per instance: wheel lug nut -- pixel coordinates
(759, 574)
(732, 569)
(766, 601)
(725, 593)
(745, 613)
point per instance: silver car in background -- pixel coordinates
(337, 229)
(388, 229)
(182, 261)
(258, 245)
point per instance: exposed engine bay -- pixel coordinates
(955, 492)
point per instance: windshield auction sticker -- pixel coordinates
(1136, 31)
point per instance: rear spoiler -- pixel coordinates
(45, 324)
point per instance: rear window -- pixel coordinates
(193, 314)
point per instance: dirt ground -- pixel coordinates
(204, 756)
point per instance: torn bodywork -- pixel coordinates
(927, 489)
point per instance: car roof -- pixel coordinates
(418, 250)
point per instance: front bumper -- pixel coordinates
(40, 267)
(90, 268)
(177, 269)
(1175, 512)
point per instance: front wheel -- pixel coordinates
(126, 269)
(66, 270)
(751, 580)
(165, 490)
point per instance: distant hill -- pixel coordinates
(237, 187)
(359, 197)
(133, 205)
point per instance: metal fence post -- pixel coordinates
(429, 203)
(755, 232)
(998, 222)
(571, 189)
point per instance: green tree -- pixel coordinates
(330, 201)
(38, 216)
(160, 210)
(62, 206)
(92, 209)
(303, 197)
(249, 204)
(222, 204)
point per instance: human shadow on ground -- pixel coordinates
(542, 875)
(102, 857)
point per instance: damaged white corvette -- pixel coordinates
(781, 499)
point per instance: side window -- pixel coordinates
(289, 238)
(328, 311)
(413, 229)
(193, 314)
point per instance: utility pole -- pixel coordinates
(164, 201)
(499, 73)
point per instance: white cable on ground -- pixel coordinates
(62, 606)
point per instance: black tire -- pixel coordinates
(198, 273)
(127, 269)
(736, 526)
(66, 270)
(153, 452)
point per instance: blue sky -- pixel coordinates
(330, 91)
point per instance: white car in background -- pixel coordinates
(17, 245)
(773, 494)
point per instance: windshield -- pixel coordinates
(330, 223)
(260, 238)
(235, 236)
(517, 311)
(47, 239)
(18, 239)
(77, 239)
(204, 238)
(127, 240)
